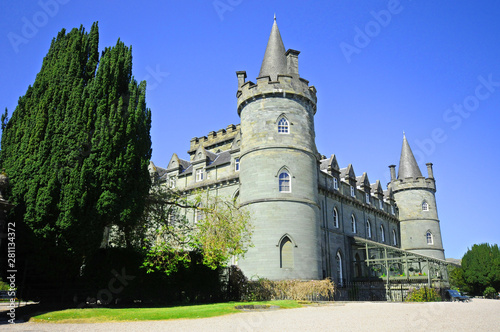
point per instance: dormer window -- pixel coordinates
(283, 126)
(353, 194)
(171, 182)
(237, 164)
(199, 174)
(335, 184)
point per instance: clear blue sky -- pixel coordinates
(431, 69)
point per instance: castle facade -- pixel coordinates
(312, 219)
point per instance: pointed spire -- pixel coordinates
(274, 62)
(408, 167)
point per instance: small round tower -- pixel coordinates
(279, 165)
(415, 197)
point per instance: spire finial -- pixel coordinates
(275, 16)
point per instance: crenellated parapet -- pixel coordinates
(286, 86)
(221, 138)
(413, 183)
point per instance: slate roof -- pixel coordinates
(221, 159)
(408, 167)
(274, 62)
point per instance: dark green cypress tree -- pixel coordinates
(76, 149)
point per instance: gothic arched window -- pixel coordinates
(425, 206)
(353, 224)
(394, 238)
(368, 229)
(283, 126)
(382, 233)
(430, 238)
(284, 182)
(338, 260)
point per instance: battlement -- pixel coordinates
(214, 139)
(286, 86)
(413, 183)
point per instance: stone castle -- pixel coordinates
(312, 219)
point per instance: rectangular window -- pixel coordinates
(392, 209)
(367, 197)
(381, 204)
(237, 164)
(353, 194)
(335, 184)
(199, 174)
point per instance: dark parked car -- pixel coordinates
(454, 295)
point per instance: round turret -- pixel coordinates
(278, 174)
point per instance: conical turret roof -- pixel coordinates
(408, 167)
(274, 62)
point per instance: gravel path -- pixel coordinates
(478, 315)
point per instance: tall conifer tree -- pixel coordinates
(77, 148)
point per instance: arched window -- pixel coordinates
(284, 182)
(368, 229)
(353, 224)
(425, 206)
(394, 237)
(430, 238)
(283, 126)
(382, 233)
(335, 218)
(286, 253)
(340, 278)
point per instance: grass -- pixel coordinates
(99, 315)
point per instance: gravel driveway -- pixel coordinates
(478, 315)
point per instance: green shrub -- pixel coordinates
(490, 293)
(423, 295)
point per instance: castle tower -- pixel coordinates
(415, 197)
(279, 165)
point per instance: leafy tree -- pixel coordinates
(456, 278)
(224, 230)
(76, 149)
(481, 267)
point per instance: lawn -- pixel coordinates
(99, 315)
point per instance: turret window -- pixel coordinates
(283, 126)
(284, 182)
(430, 238)
(425, 206)
(286, 253)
